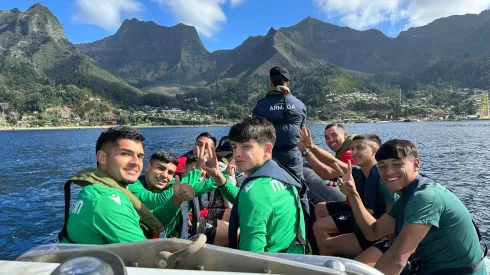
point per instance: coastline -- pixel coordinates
(5, 129)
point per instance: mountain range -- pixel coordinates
(33, 47)
(121, 67)
(145, 53)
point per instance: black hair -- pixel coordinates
(114, 134)
(166, 157)
(256, 128)
(371, 137)
(335, 124)
(278, 80)
(207, 135)
(190, 160)
(396, 148)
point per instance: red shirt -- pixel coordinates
(182, 160)
(180, 167)
(345, 158)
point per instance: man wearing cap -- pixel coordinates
(287, 113)
(215, 223)
(219, 207)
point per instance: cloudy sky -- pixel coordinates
(224, 24)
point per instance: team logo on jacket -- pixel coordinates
(116, 198)
(250, 185)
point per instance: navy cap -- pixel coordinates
(278, 70)
(224, 147)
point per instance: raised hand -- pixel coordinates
(346, 182)
(231, 168)
(182, 192)
(211, 162)
(202, 157)
(306, 137)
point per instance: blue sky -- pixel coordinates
(225, 24)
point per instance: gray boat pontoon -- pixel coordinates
(176, 256)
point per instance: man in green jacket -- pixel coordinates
(105, 211)
(267, 208)
(160, 171)
(169, 215)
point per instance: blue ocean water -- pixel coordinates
(36, 163)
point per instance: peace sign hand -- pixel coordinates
(202, 156)
(346, 182)
(210, 161)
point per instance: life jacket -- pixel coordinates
(273, 170)
(368, 191)
(150, 225)
(216, 199)
(345, 146)
(414, 266)
(193, 207)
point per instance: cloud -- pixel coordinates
(359, 14)
(105, 13)
(235, 3)
(362, 14)
(206, 15)
(422, 12)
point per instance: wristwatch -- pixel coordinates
(305, 152)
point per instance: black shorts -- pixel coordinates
(344, 221)
(216, 213)
(336, 207)
(341, 214)
(207, 227)
(383, 244)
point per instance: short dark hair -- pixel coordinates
(257, 128)
(335, 124)
(207, 135)
(114, 134)
(166, 157)
(278, 80)
(371, 137)
(394, 148)
(190, 160)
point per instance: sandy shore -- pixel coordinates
(2, 128)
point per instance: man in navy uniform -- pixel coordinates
(287, 113)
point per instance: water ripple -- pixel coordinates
(36, 164)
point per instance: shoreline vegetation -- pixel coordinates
(10, 128)
(74, 127)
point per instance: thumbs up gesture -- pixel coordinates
(182, 192)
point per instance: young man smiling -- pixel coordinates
(433, 229)
(160, 171)
(267, 208)
(168, 216)
(321, 161)
(105, 211)
(375, 196)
